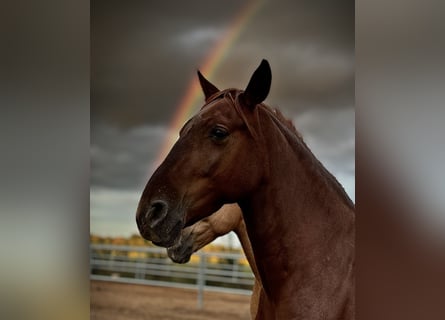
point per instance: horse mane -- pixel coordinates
(277, 116)
(287, 122)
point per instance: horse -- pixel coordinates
(193, 238)
(299, 219)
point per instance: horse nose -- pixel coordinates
(156, 213)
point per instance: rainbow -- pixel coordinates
(193, 98)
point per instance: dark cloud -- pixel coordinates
(138, 72)
(144, 54)
(122, 158)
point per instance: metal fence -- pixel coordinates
(212, 271)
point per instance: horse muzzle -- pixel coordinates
(158, 224)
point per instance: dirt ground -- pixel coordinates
(118, 301)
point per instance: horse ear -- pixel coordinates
(208, 88)
(259, 85)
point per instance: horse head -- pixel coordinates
(216, 160)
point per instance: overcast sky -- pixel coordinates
(144, 55)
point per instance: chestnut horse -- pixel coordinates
(300, 221)
(228, 218)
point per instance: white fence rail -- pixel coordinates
(220, 271)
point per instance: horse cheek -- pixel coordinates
(242, 176)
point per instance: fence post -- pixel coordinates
(235, 269)
(201, 278)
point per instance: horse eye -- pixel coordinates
(218, 133)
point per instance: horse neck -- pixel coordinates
(297, 220)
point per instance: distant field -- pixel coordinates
(119, 301)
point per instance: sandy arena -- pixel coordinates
(120, 301)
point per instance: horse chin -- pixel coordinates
(179, 258)
(182, 250)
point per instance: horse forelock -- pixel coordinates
(231, 96)
(223, 94)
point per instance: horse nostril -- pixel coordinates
(157, 212)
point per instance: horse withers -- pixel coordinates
(299, 219)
